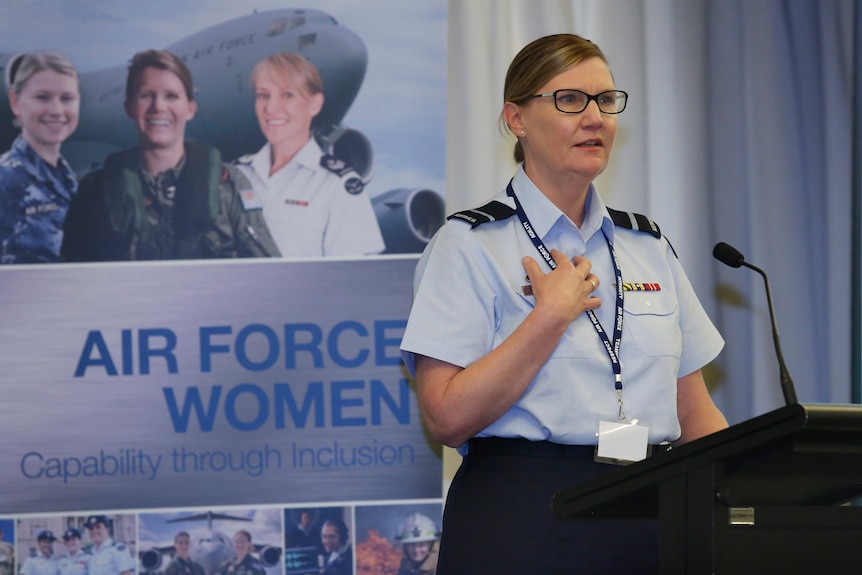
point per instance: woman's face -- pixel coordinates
(160, 109)
(182, 545)
(47, 108)
(98, 533)
(241, 544)
(418, 551)
(284, 109)
(569, 144)
(46, 546)
(73, 545)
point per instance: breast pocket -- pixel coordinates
(580, 340)
(653, 324)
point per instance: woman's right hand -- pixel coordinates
(565, 292)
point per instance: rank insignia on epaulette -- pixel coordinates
(640, 287)
(354, 185)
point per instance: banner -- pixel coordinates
(128, 386)
(246, 415)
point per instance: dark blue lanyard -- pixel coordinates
(613, 349)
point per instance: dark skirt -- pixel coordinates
(498, 517)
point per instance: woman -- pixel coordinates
(36, 183)
(418, 536)
(182, 564)
(109, 557)
(75, 561)
(167, 198)
(244, 563)
(335, 540)
(313, 203)
(514, 339)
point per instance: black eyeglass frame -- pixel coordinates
(590, 98)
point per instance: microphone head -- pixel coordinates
(728, 255)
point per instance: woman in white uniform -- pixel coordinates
(313, 204)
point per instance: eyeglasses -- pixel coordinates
(575, 101)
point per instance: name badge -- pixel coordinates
(622, 442)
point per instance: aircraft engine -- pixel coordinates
(408, 218)
(151, 560)
(269, 556)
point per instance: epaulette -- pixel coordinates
(351, 180)
(639, 223)
(493, 211)
(635, 222)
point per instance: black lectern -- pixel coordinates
(765, 496)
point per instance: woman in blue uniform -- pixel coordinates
(75, 561)
(36, 182)
(109, 557)
(544, 319)
(43, 562)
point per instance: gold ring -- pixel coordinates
(592, 281)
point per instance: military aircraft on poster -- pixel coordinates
(220, 59)
(211, 548)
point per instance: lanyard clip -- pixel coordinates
(622, 413)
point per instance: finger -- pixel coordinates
(582, 263)
(531, 267)
(593, 280)
(560, 258)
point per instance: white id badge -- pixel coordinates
(622, 442)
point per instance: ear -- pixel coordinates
(129, 108)
(193, 109)
(512, 117)
(13, 102)
(316, 103)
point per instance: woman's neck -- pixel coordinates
(284, 152)
(48, 152)
(567, 193)
(160, 160)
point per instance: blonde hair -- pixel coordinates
(537, 63)
(22, 67)
(292, 67)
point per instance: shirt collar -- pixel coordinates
(544, 215)
(39, 168)
(308, 156)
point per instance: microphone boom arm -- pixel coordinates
(787, 387)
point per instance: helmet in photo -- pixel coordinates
(417, 528)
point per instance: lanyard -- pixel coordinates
(612, 348)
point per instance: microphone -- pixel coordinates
(730, 256)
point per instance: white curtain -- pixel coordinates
(738, 129)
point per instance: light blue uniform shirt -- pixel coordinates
(39, 565)
(77, 564)
(111, 558)
(468, 298)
